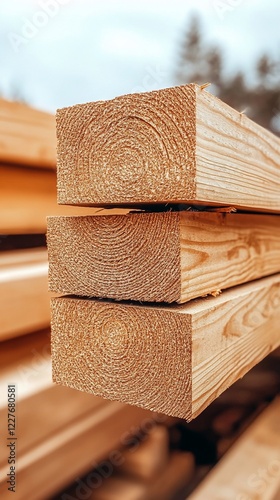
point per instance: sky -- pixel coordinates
(57, 53)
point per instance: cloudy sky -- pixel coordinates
(60, 52)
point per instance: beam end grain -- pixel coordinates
(125, 353)
(130, 257)
(160, 257)
(137, 148)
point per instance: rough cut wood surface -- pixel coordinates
(24, 297)
(176, 359)
(27, 135)
(175, 145)
(160, 257)
(251, 468)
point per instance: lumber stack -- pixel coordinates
(60, 433)
(171, 306)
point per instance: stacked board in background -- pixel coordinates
(191, 162)
(27, 169)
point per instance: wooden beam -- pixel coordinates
(26, 361)
(251, 468)
(160, 257)
(27, 135)
(27, 196)
(176, 359)
(24, 298)
(176, 145)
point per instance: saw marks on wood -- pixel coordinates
(160, 257)
(175, 145)
(174, 360)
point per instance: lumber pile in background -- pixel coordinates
(168, 459)
(255, 460)
(27, 170)
(24, 304)
(61, 432)
(27, 136)
(177, 146)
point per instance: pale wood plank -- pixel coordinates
(251, 468)
(24, 297)
(176, 145)
(160, 257)
(27, 135)
(26, 361)
(27, 196)
(174, 359)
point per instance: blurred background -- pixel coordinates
(56, 53)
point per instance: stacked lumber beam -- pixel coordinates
(198, 160)
(160, 257)
(176, 145)
(199, 349)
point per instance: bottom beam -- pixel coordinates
(176, 359)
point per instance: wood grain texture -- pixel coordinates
(27, 196)
(176, 359)
(27, 135)
(251, 468)
(160, 257)
(24, 297)
(176, 145)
